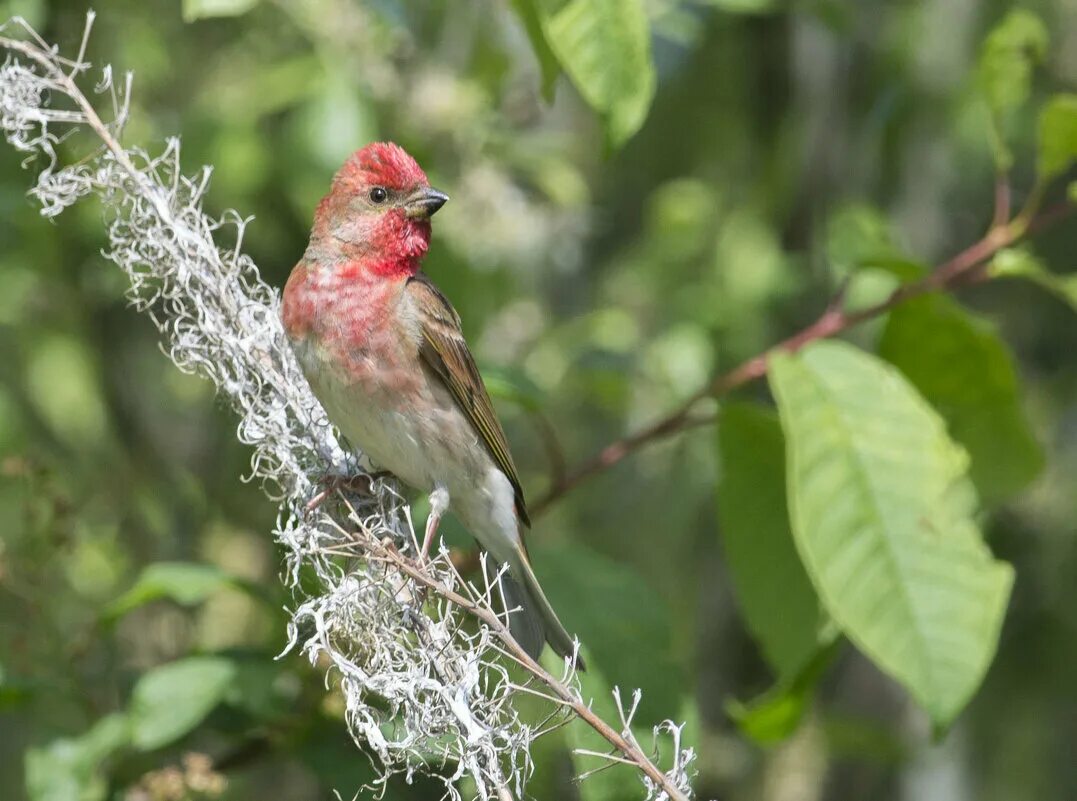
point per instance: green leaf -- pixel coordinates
(1058, 136)
(171, 700)
(1009, 54)
(530, 17)
(883, 518)
(201, 9)
(775, 594)
(775, 715)
(959, 364)
(69, 769)
(1019, 263)
(186, 583)
(605, 47)
(623, 622)
(859, 237)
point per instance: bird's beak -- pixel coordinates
(424, 202)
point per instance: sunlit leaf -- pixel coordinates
(171, 700)
(1058, 136)
(605, 47)
(883, 517)
(775, 595)
(1007, 57)
(962, 367)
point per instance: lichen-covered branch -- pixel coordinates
(424, 643)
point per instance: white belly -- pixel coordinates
(424, 440)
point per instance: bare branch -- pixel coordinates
(833, 321)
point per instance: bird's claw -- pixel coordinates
(361, 484)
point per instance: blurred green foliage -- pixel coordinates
(644, 193)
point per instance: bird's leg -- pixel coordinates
(359, 484)
(439, 502)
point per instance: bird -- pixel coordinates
(383, 351)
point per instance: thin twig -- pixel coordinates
(834, 320)
(564, 695)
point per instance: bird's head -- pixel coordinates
(379, 206)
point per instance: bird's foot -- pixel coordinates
(363, 483)
(439, 503)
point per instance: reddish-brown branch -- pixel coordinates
(831, 322)
(1002, 200)
(562, 692)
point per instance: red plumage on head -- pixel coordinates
(382, 164)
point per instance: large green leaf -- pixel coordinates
(882, 513)
(959, 364)
(623, 622)
(69, 769)
(605, 47)
(775, 594)
(173, 699)
(1058, 136)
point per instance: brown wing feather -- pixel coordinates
(443, 348)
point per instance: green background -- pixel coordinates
(601, 277)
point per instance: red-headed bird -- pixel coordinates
(383, 351)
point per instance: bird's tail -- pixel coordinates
(533, 621)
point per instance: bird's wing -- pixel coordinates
(444, 350)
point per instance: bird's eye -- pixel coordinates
(378, 195)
